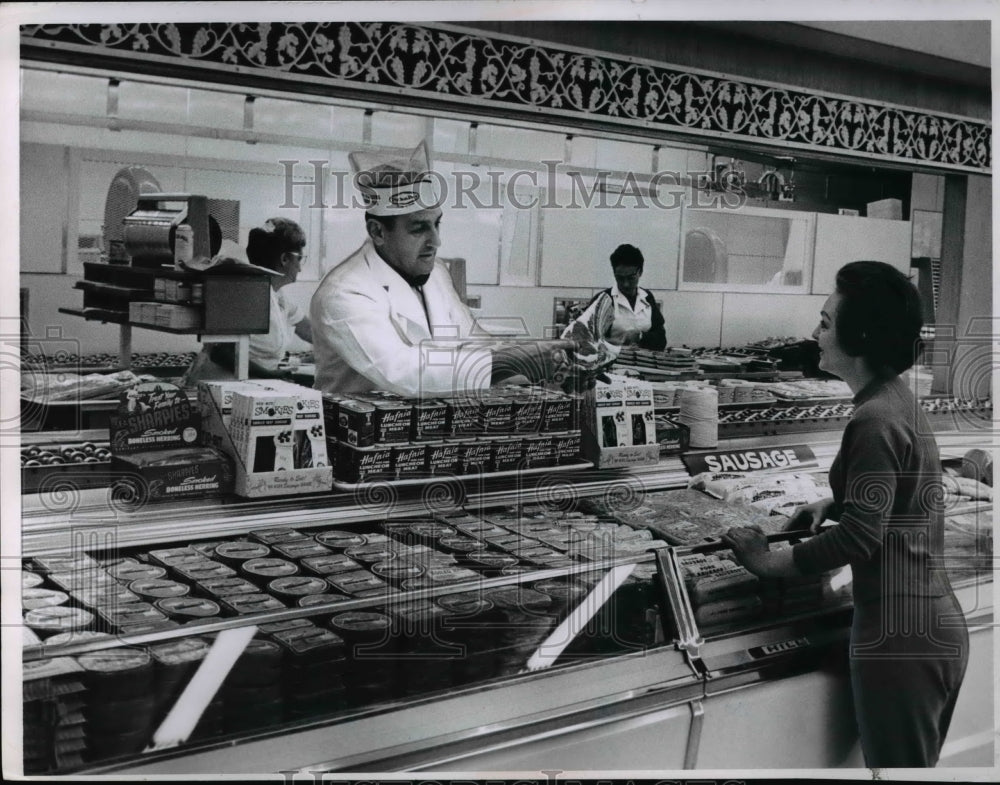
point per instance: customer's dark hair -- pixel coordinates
(266, 244)
(626, 254)
(879, 317)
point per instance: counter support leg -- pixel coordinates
(125, 346)
(242, 350)
(694, 734)
(243, 357)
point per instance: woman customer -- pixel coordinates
(625, 314)
(909, 643)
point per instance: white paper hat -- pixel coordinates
(395, 185)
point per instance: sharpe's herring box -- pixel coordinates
(156, 451)
(181, 473)
(607, 431)
(271, 435)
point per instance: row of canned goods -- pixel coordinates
(457, 456)
(379, 417)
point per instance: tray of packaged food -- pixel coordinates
(54, 387)
(730, 619)
(78, 465)
(158, 363)
(682, 517)
(771, 420)
(469, 596)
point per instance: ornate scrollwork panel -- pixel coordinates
(462, 67)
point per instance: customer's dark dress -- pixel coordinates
(909, 641)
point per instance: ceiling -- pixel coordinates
(964, 41)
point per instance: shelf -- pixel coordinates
(173, 273)
(113, 290)
(97, 314)
(429, 480)
(48, 528)
(666, 375)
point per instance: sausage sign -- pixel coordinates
(798, 456)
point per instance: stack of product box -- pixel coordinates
(170, 315)
(619, 424)
(382, 436)
(156, 451)
(274, 430)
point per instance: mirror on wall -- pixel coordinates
(746, 250)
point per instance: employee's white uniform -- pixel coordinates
(370, 332)
(611, 318)
(268, 349)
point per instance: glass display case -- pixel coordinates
(479, 636)
(318, 626)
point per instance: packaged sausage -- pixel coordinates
(728, 611)
(731, 583)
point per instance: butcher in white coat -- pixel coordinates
(388, 316)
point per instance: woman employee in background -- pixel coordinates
(277, 247)
(625, 314)
(909, 643)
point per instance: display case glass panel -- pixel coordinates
(746, 250)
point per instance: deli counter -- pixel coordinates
(518, 624)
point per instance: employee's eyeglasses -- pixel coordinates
(628, 278)
(299, 257)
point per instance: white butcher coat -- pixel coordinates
(370, 332)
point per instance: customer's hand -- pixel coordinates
(749, 545)
(809, 516)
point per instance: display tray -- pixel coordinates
(733, 430)
(416, 482)
(87, 403)
(305, 369)
(765, 403)
(703, 610)
(151, 370)
(58, 478)
(968, 421)
(663, 374)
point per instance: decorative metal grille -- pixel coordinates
(450, 65)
